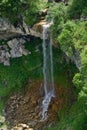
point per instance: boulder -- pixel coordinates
(5, 47)
(15, 41)
(22, 127)
(1, 59)
(4, 55)
(15, 53)
(8, 55)
(22, 41)
(2, 119)
(10, 44)
(25, 52)
(2, 123)
(6, 62)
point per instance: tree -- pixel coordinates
(76, 9)
(16, 10)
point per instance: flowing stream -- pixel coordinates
(47, 70)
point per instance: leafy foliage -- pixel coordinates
(77, 9)
(66, 39)
(72, 37)
(70, 31)
(16, 10)
(57, 13)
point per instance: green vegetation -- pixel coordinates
(21, 70)
(19, 10)
(77, 9)
(70, 32)
(15, 77)
(75, 119)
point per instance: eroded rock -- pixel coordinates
(4, 55)
(15, 48)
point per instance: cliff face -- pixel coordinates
(7, 30)
(14, 39)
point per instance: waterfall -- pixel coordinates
(47, 70)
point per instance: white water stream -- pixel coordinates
(47, 71)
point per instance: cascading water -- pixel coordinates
(47, 71)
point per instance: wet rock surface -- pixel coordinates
(25, 107)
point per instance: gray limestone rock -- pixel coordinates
(25, 52)
(7, 62)
(22, 41)
(17, 49)
(10, 44)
